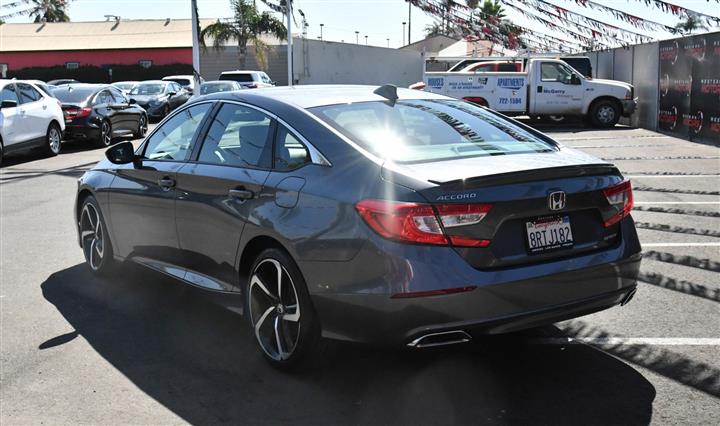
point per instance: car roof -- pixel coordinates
(89, 86)
(178, 76)
(155, 82)
(309, 96)
(241, 72)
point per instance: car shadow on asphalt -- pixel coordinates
(198, 358)
(69, 147)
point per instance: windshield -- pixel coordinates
(216, 87)
(180, 81)
(148, 89)
(429, 130)
(72, 94)
(124, 86)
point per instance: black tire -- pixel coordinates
(94, 238)
(2, 152)
(555, 119)
(605, 113)
(53, 139)
(142, 127)
(105, 139)
(285, 343)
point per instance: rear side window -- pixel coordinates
(27, 93)
(8, 94)
(509, 67)
(173, 141)
(239, 136)
(429, 130)
(103, 98)
(290, 153)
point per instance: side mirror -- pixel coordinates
(8, 104)
(132, 101)
(172, 93)
(122, 153)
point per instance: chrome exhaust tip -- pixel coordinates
(628, 297)
(443, 338)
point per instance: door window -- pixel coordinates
(238, 136)
(173, 140)
(103, 98)
(8, 93)
(555, 72)
(118, 97)
(27, 93)
(290, 153)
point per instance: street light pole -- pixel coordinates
(321, 28)
(365, 40)
(409, 20)
(195, 46)
(388, 42)
(404, 23)
(357, 33)
(288, 10)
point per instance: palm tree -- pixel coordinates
(690, 24)
(246, 26)
(434, 30)
(49, 10)
(492, 9)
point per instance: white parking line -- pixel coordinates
(680, 244)
(675, 202)
(670, 176)
(652, 341)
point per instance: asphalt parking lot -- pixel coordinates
(139, 348)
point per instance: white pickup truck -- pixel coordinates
(546, 87)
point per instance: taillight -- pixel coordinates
(619, 196)
(77, 112)
(422, 223)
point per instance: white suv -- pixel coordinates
(28, 118)
(248, 79)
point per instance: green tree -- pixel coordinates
(492, 9)
(434, 30)
(248, 25)
(49, 10)
(690, 24)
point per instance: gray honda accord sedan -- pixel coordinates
(365, 214)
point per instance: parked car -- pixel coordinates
(494, 66)
(125, 86)
(186, 81)
(99, 113)
(248, 79)
(159, 97)
(366, 214)
(219, 86)
(28, 119)
(61, 81)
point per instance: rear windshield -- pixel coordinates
(73, 94)
(148, 89)
(180, 81)
(429, 130)
(207, 88)
(242, 78)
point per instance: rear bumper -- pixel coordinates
(502, 301)
(87, 132)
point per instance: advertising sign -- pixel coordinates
(689, 87)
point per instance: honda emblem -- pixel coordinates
(556, 200)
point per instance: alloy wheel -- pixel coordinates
(92, 236)
(606, 114)
(142, 126)
(54, 140)
(105, 134)
(274, 309)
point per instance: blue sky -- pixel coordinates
(378, 19)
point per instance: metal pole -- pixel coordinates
(409, 21)
(365, 40)
(404, 23)
(195, 46)
(289, 43)
(356, 37)
(388, 41)
(321, 27)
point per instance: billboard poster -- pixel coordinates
(689, 87)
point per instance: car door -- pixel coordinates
(558, 89)
(35, 114)
(218, 194)
(142, 196)
(10, 118)
(103, 105)
(126, 119)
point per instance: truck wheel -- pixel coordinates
(605, 113)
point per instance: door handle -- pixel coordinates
(539, 89)
(241, 194)
(166, 182)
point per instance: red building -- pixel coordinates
(74, 44)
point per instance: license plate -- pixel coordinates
(548, 233)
